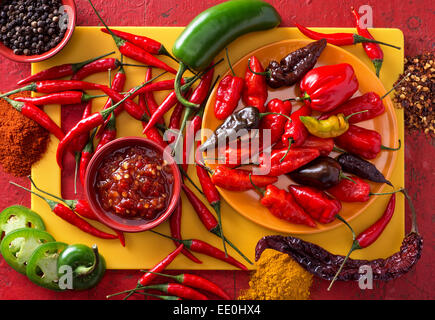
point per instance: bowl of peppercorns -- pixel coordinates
(35, 30)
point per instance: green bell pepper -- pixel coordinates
(18, 246)
(17, 217)
(42, 266)
(87, 264)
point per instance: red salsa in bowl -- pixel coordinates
(132, 184)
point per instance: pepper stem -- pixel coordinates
(29, 87)
(178, 88)
(255, 186)
(306, 96)
(264, 73)
(414, 227)
(51, 203)
(354, 114)
(82, 271)
(277, 113)
(336, 149)
(377, 63)
(385, 193)
(237, 250)
(290, 141)
(342, 176)
(229, 62)
(217, 208)
(184, 173)
(397, 84)
(357, 39)
(392, 149)
(69, 203)
(77, 157)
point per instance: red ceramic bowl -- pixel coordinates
(71, 10)
(117, 222)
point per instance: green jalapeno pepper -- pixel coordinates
(42, 266)
(18, 246)
(87, 265)
(17, 217)
(213, 29)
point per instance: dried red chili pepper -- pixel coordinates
(97, 66)
(325, 265)
(316, 203)
(284, 161)
(327, 87)
(364, 142)
(60, 71)
(340, 39)
(356, 190)
(255, 91)
(373, 50)
(36, 114)
(275, 122)
(62, 98)
(175, 228)
(68, 215)
(198, 282)
(283, 205)
(132, 51)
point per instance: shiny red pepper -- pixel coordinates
(283, 205)
(369, 101)
(295, 132)
(238, 180)
(364, 142)
(274, 122)
(325, 146)
(284, 161)
(351, 191)
(97, 66)
(228, 95)
(255, 90)
(316, 203)
(63, 98)
(327, 87)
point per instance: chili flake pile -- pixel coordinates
(415, 96)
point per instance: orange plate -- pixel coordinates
(247, 203)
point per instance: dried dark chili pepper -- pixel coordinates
(325, 265)
(36, 114)
(373, 50)
(283, 205)
(364, 142)
(356, 190)
(255, 91)
(340, 39)
(316, 203)
(60, 71)
(321, 173)
(228, 94)
(293, 67)
(362, 168)
(132, 51)
(71, 217)
(62, 98)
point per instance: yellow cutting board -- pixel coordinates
(143, 250)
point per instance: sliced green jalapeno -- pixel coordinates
(17, 217)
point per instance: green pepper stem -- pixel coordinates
(83, 271)
(277, 113)
(342, 176)
(29, 87)
(336, 149)
(237, 250)
(290, 141)
(394, 87)
(358, 39)
(255, 186)
(414, 227)
(179, 89)
(217, 208)
(354, 114)
(77, 158)
(69, 203)
(184, 173)
(264, 73)
(51, 203)
(392, 149)
(385, 193)
(229, 62)
(300, 99)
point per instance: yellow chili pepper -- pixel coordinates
(332, 127)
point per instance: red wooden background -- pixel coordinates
(414, 18)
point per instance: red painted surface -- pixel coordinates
(414, 18)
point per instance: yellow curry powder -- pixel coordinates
(278, 277)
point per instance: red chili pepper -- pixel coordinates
(198, 282)
(255, 91)
(178, 290)
(62, 98)
(68, 215)
(339, 39)
(369, 101)
(59, 71)
(363, 142)
(285, 161)
(80, 142)
(53, 86)
(164, 107)
(371, 234)
(295, 132)
(134, 52)
(274, 122)
(36, 114)
(148, 96)
(327, 87)
(373, 50)
(283, 205)
(325, 146)
(96, 67)
(242, 155)
(86, 155)
(238, 180)
(175, 228)
(154, 135)
(150, 45)
(108, 134)
(159, 267)
(316, 203)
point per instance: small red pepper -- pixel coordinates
(36, 114)
(228, 94)
(238, 180)
(255, 91)
(275, 122)
(178, 290)
(80, 142)
(373, 50)
(97, 66)
(85, 158)
(285, 161)
(62, 98)
(316, 203)
(295, 132)
(364, 142)
(148, 96)
(325, 146)
(109, 133)
(327, 87)
(60, 71)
